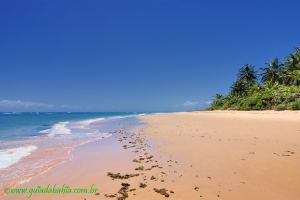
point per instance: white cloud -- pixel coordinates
(195, 105)
(208, 102)
(18, 105)
(190, 103)
(31, 106)
(68, 107)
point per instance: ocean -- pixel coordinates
(31, 143)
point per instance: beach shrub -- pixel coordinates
(251, 103)
(294, 105)
(280, 107)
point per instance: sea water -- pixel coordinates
(31, 143)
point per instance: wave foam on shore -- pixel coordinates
(10, 156)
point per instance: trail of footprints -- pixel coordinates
(145, 163)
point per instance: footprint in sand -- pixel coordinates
(285, 153)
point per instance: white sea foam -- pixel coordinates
(13, 155)
(122, 117)
(84, 124)
(90, 121)
(12, 113)
(58, 129)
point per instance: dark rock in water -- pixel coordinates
(162, 191)
(121, 131)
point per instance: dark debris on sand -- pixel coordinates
(140, 168)
(162, 191)
(139, 146)
(110, 195)
(143, 185)
(119, 176)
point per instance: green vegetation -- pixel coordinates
(277, 87)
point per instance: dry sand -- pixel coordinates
(236, 155)
(197, 155)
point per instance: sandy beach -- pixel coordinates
(149, 100)
(189, 155)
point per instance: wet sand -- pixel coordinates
(196, 155)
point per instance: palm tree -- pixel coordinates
(246, 78)
(290, 73)
(247, 74)
(295, 77)
(217, 102)
(292, 62)
(239, 88)
(218, 98)
(270, 73)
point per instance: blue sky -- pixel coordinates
(130, 55)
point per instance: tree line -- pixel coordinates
(275, 86)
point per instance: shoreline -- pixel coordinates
(51, 151)
(189, 155)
